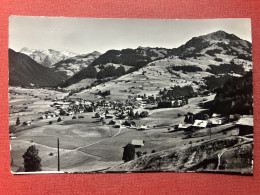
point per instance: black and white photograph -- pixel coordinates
(99, 95)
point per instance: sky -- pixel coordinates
(85, 35)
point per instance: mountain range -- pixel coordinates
(216, 53)
(47, 57)
(74, 64)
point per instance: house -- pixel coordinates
(215, 115)
(184, 126)
(216, 121)
(117, 125)
(139, 99)
(200, 123)
(27, 123)
(137, 143)
(112, 122)
(109, 116)
(245, 125)
(142, 127)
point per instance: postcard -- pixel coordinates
(94, 95)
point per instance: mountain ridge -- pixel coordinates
(216, 45)
(47, 57)
(24, 71)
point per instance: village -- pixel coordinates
(89, 126)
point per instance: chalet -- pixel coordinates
(245, 125)
(232, 117)
(142, 127)
(200, 124)
(139, 99)
(215, 115)
(137, 143)
(184, 126)
(112, 122)
(42, 117)
(27, 123)
(117, 125)
(109, 116)
(216, 121)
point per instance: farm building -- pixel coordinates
(139, 99)
(142, 127)
(27, 123)
(109, 116)
(215, 115)
(184, 126)
(216, 121)
(117, 125)
(200, 123)
(137, 143)
(245, 125)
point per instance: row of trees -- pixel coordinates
(136, 115)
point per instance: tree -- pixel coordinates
(129, 153)
(131, 113)
(139, 153)
(137, 115)
(32, 162)
(191, 119)
(186, 119)
(18, 122)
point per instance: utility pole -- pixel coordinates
(58, 145)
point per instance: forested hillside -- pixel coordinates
(236, 96)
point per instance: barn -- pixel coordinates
(137, 143)
(245, 125)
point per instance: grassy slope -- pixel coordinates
(232, 154)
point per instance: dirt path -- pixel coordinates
(219, 157)
(119, 131)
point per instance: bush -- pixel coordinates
(218, 60)
(32, 162)
(18, 122)
(144, 114)
(153, 151)
(59, 119)
(50, 122)
(74, 117)
(138, 154)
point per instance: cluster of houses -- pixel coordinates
(244, 123)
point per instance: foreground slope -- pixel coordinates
(232, 154)
(24, 71)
